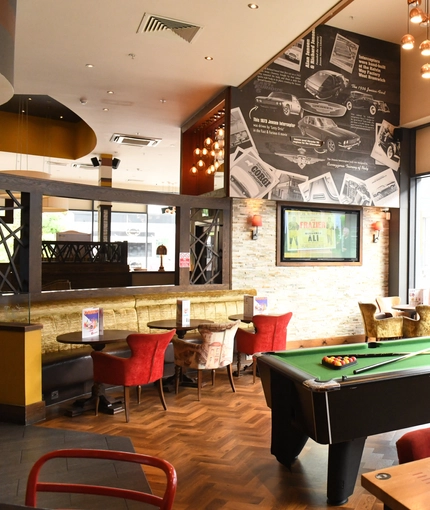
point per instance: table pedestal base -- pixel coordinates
(83, 405)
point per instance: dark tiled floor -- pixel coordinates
(21, 446)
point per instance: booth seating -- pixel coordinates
(67, 370)
(413, 445)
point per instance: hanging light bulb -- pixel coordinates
(208, 141)
(425, 45)
(204, 151)
(221, 133)
(425, 48)
(193, 169)
(216, 146)
(425, 71)
(197, 151)
(216, 165)
(201, 164)
(417, 15)
(407, 42)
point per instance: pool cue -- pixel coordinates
(370, 367)
(376, 355)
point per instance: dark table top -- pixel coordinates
(173, 324)
(97, 341)
(240, 317)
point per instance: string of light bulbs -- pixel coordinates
(417, 16)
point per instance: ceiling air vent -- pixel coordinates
(82, 165)
(151, 23)
(137, 141)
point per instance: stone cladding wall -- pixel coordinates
(323, 299)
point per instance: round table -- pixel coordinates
(240, 317)
(173, 324)
(98, 343)
(410, 309)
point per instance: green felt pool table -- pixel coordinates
(341, 408)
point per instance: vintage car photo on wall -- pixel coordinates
(327, 118)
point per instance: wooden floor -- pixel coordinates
(220, 448)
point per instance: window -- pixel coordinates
(422, 234)
(143, 231)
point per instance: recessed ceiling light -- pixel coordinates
(253, 6)
(105, 109)
(163, 101)
(110, 92)
(89, 65)
(209, 58)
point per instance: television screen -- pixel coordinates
(319, 235)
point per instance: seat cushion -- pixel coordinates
(414, 445)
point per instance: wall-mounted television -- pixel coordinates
(318, 234)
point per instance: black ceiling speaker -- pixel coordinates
(115, 163)
(95, 161)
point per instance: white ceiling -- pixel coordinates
(159, 80)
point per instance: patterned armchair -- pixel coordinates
(417, 327)
(214, 349)
(379, 328)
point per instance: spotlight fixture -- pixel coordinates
(95, 161)
(115, 163)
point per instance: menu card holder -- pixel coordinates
(92, 322)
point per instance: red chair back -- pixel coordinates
(164, 503)
(270, 334)
(144, 366)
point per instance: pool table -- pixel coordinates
(334, 406)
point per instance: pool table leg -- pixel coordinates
(287, 440)
(343, 464)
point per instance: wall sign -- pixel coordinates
(318, 125)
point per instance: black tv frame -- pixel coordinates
(325, 246)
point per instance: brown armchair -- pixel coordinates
(420, 326)
(379, 328)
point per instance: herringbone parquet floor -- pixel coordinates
(220, 448)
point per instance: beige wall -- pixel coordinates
(323, 299)
(414, 90)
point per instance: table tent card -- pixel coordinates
(92, 322)
(254, 305)
(419, 297)
(183, 312)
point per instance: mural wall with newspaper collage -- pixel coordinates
(318, 125)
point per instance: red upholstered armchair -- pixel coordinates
(270, 335)
(144, 366)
